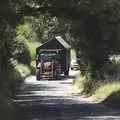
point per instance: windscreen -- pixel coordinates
(47, 56)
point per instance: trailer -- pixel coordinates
(52, 59)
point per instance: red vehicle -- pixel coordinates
(48, 65)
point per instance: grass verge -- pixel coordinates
(107, 92)
(106, 89)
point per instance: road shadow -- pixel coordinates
(37, 107)
(61, 78)
(34, 110)
(38, 102)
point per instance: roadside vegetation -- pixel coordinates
(105, 91)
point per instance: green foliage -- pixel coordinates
(79, 81)
(32, 49)
(23, 70)
(95, 30)
(25, 32)
(24, 56)
(106, 91)
(6, 48)
(26, 45)
(6, 108)
(33, 31)
(47, 26)
(33, 67)
(7, 43)
(97, 33)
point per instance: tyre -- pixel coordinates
(66, 73)
(71, 68)
(37, 78)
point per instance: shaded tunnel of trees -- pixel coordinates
(91, 27)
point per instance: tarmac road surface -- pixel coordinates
(52, 100)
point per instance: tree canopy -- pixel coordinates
(93, 27)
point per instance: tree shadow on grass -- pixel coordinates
(113, 100)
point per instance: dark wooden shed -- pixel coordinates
(58, 43)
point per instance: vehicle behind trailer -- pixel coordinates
(48, 64)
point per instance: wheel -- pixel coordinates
(37, 78)
(71, 68)
(66, 73)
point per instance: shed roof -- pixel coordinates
(50, 45)
(64, 43)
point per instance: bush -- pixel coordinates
(33, 67)
(6, 108)
(101, 89)
(23, 55)
(87, 85)
(7, 90)
(23, 70)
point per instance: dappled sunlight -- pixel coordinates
(53, 100)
